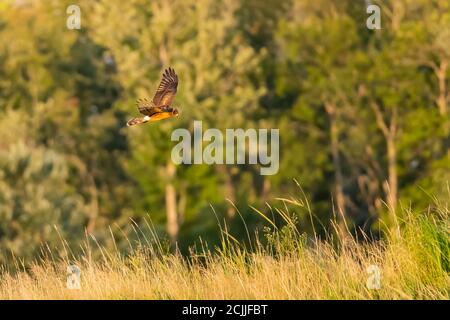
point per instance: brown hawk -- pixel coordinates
(160, 107)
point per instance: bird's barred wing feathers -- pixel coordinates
(167, 89)
(146, 107)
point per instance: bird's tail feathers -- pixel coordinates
(135, 121)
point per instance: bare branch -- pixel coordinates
(379, 119)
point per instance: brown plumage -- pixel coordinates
(160, 107)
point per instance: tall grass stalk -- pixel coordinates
(413, 264)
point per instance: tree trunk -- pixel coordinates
(265, 192)
(390, 135)
(172, 225)
(442, 98)
(442, 101)
(229, 190)
(392, 173)
(93, 215)
(338, 176)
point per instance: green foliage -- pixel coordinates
(67, 158)
(36, 197)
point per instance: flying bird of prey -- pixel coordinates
(161, 106)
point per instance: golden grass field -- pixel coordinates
(413, 259)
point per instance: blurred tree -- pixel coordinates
(320, 48)
(36, 195)
(363, 114)
(201, 40)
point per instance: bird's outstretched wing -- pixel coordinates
(146, 107)
(167, 89)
